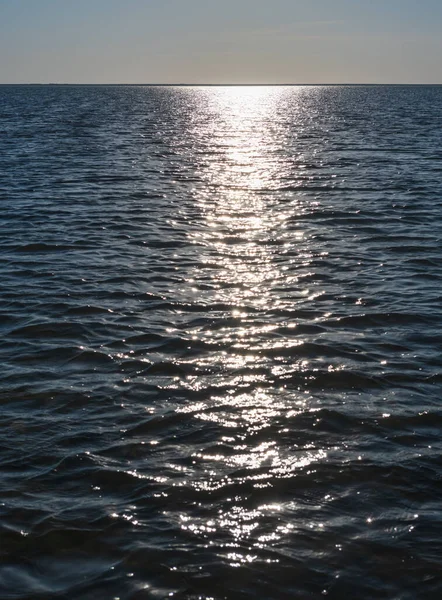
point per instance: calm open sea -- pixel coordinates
(221, 342)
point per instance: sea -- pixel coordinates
(221, 342)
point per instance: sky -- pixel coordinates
(221, 41)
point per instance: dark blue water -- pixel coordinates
(221, 337)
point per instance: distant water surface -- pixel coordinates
(221, 338)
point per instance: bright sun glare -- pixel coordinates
(244, 231)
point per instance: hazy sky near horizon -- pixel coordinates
(221, 41)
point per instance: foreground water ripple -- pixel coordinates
(221, 342)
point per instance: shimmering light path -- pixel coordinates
(220, 317)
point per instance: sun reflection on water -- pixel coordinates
(243, 229)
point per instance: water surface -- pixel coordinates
(220, 342)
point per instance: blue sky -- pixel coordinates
(211, 41)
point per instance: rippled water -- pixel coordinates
(221, 342)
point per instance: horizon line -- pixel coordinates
(50, 83)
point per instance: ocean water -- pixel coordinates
(221, 337)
